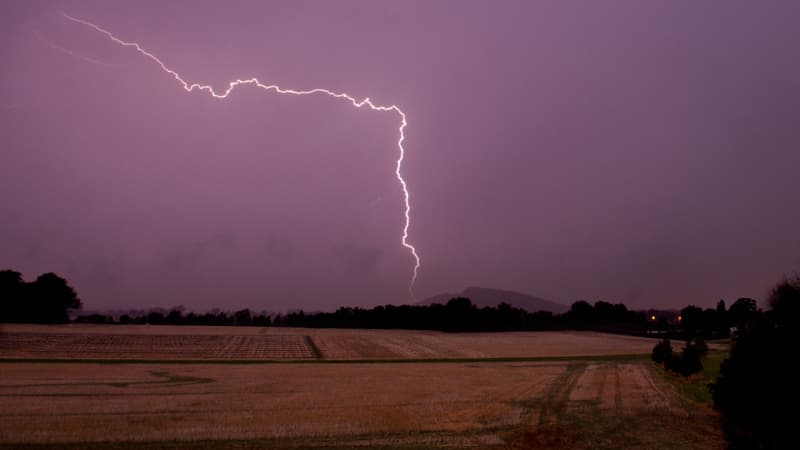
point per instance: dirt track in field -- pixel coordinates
(612, 405)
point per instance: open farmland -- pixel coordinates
(392, 399)
(246, 343)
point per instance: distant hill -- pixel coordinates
(492, 297)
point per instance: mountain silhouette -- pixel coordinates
(481, 297)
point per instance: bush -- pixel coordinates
(687, 362)
(701, 347)
(691, 359)
(662, 352)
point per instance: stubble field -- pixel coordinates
(209, 387)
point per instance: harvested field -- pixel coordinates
(88, 402)
(355, 344)
(393, 399)
(140, 346)
(187, 342)
(480, 405)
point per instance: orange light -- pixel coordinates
(679, 318)
(653, 317)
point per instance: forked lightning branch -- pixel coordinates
(271, 87)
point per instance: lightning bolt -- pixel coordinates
(277, 89)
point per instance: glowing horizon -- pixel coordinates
(277, 89)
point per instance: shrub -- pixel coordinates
(662, 352)
(691, 359)
(687, 362)
(701, 346)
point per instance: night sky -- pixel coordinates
(634, 151)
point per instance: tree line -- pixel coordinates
(461, 315)
(458, 314)
(49, 299)
(177, 316)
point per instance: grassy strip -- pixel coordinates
(625, 357)
(695, 387)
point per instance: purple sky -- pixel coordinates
(635, 151)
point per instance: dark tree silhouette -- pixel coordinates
(662, 352)
(175, 316)
(53, 297)
(757, 390)
(242, 317)
(46, 300)
(692, 319)
(155, 317)
(742, 311)
(460, 314)
(580, 314)
(784, 300)
(11, 292)
(721, 307)
(721, 319)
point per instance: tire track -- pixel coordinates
(554, 401)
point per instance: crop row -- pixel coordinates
(154, 346)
